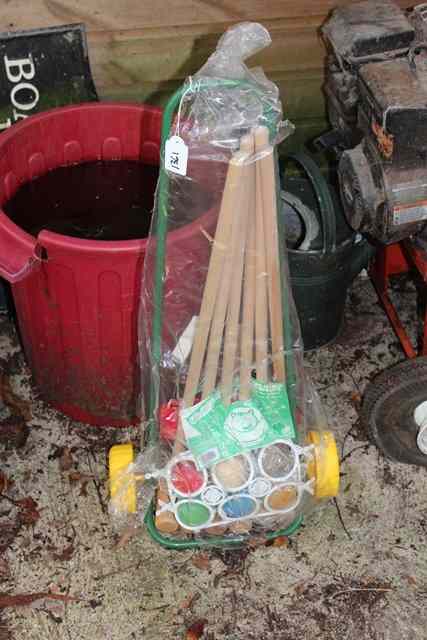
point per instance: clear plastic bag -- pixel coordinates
(233, 422)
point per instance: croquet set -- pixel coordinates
(235, 441)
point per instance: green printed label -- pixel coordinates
(215, 432)
(273, 402)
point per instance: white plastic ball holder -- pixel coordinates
(250, 499)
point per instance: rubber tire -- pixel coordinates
(311, 224)
(388, 409)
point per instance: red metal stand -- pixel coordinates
(393, 259)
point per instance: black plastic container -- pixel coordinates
(3, 296)
(322, 274)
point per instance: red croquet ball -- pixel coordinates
(186, 478)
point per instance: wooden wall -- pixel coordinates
(143, 49)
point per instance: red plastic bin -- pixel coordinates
(77, 300)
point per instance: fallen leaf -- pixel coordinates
(188, 602)
(83, 488)
(75, 476)
(55, 608)
(241, 528)
(411, 580)
(28, 511)
(14, 431)
(26, 599)
(4, 482)
(65, 554)
(201, 561)
(356, 400)
(66, 460)
(195, 631)
(4, 570)
(281, 541)
(125, 537)
(25, 542)
(300, 588)
(8, 533)
(14, 402)
(257, 541)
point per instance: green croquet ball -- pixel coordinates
(193, 514)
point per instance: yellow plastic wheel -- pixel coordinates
(324, 467)
(122, 484)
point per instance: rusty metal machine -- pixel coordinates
(376, 92)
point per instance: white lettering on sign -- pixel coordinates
(19, 116)
(5, 125)
(21, 64)
(24, 95)
(25, 106)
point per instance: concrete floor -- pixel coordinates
(359, 572)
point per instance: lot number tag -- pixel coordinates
(176, 156)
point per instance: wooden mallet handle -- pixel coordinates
(261, 298)
(213, 293)
(223, 299)
(220, 248)
(249, 285)
(240, 231)
(267, 187)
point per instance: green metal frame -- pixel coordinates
(170, 542)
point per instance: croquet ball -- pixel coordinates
(232, 474)
(277, 460)
(259, 487)
(239, 506)
(186, 479)
(212, 495)
(193, 513)
(284, 497)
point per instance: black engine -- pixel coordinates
(376, 88)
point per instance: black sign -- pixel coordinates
(41, 69)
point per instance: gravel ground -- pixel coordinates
(357, 569)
